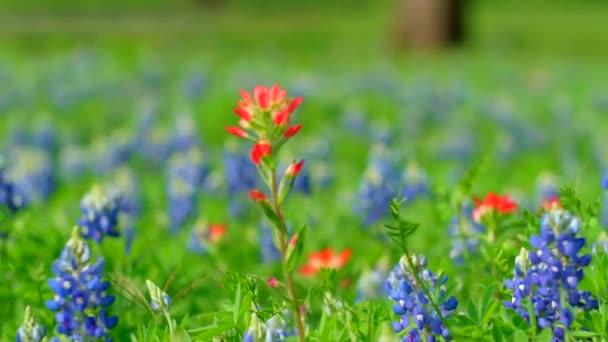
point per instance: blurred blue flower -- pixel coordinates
(371, 283)
(549, 275)
(379, 186)
(241, 176)
(100, 208)
(415, 182)
(186, 174)
(30, 171)
(81, 299)
(30, 331)
(268, 250)
(412, 305)
(194, 85)
(114, 151)
(204, 236)
(465, 234)
(74, 161)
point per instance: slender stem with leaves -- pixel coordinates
(399, 234)
(265, 121)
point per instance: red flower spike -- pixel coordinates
(276, 94)
(257, 196)
(243, 114)
(216, 232)
(492, 201)
(291, 131)
(259, 151)
(281, 118)
(294, 168)
(551, 203)
(246, 97)
(237, 131)
(325, 259)
(294, 104)
(261, 95)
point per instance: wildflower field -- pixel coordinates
(155, 193)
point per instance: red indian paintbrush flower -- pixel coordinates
(259, 151)
(257, 196)
(239, 132)
(273, 100)
(294, 168)
(492, 201)
(216, 232)
(551, 203)
(291, 131)
(325, 259)
(283, 116)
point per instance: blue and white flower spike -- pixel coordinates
(549, 275)
(81, 299)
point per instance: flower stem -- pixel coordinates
(414, 270)
(169, 322)
(291, 289)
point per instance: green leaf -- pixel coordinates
(237, 304)
(497, 334)
(545, 336)
(270, 214)
(581, 333)
(520, 336)
(472, 311)
(294, 253)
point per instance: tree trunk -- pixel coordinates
(428, 24)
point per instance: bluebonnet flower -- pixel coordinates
(320, 162)
(125, 188)
(204, 236)
(256, 332)
(354, 121)
(241, 176)
(159, 299)
(371, 283)
(187, 172)
(273, 330)
(30, 331)
(100, 210)
(113, 151)
(268, 250)
(74, 161)
(185, 136)
(277, 330)
(156, 144)
(415, 182)
(193, 85)
(81, 299)
(546, 187)
(30, 171)
(8, 199)
(549, 275)
(380, 185)
(465, 232)
(414, 308)
(600, 245)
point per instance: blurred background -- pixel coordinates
(412, 92)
